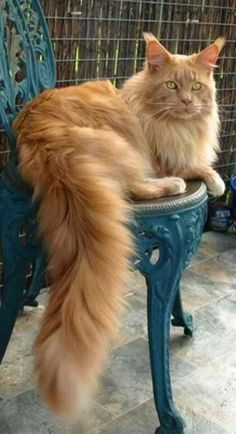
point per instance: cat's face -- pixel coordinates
(179, 86)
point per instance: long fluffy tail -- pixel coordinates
(83, 220)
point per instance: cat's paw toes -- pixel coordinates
(176, 185)
(216, 187)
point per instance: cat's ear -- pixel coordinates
(156, 54)
(208, 57)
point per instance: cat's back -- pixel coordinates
(91, 104)
(96, 105)
(87, 93)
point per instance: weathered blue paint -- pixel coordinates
(173, 227)
(27, 66)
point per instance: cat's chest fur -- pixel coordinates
(176, 146)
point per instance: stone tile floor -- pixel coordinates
(203, 368)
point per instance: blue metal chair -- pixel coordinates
(172, 226)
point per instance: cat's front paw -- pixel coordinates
(216, 186)
(176, 185)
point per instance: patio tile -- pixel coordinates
(215, 334)
(143, 420)
(133, 322)
(127, 380)
(16, 368)
(222, 268)
(138, 286)
(27, 414)
(214, 243)
(199, 257)
(199, 290)
(211, 391)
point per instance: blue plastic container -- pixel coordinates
(233, 204)
(220, 215)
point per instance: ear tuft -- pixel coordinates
(220, 42)
(148, 37)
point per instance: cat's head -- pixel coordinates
(177, 85)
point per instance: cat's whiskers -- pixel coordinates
(162, 103)
(162, 117)
(165, 115)
(165, 109)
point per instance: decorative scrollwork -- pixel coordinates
(192, 226)
(19, 228)
(21, 247)
(176, 236)
(27, 64)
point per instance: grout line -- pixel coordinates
(124, 414)
(141, 301)
(200, 261)
(186, 377)
(129, 342)
(217, 253)
(109, 412)
(132, 294)
(201, 307)
(209, 257)
(212, 362)
(212, 302)
(212, 256)
(201, 368)
(24, 390)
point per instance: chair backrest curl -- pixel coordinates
(27, 64)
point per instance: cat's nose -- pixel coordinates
(186, 99)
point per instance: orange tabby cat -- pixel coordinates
(86, 149)
(174, 98)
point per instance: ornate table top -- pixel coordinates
(196, 192)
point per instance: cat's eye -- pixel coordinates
(171, 85)
(196, 86)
